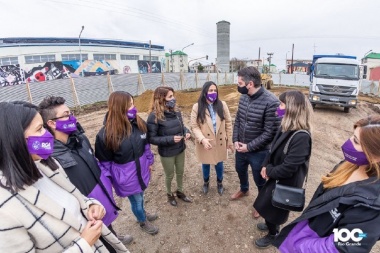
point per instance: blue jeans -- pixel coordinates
(219, 171)
(255, 159)
(137, 206)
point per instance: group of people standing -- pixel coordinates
(56, 192)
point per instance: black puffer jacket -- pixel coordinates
(162, 133)
(256, 122)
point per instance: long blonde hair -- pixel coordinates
(159, 102)
(370, 142)
(299, 112)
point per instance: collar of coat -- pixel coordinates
(34, 196)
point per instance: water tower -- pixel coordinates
(223, 46)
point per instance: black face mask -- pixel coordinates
(243, 90)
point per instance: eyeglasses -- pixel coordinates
(64, 116)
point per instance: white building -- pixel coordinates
(40, 59)
(176, 62)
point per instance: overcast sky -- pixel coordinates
(322, 26)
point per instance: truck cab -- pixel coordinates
(334, 80)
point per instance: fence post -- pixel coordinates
(75, 95)
(140, 85)
(217, 77)
(110, 85)
(225, 78)
(163, 79)
(196, 78)
(208, 76)
(29, 92)
(279, 77)
(372, 88)
(181, 79)
(295, 79)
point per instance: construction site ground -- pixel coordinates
(213, 223)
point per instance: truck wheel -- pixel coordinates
(269, 84)
(346, 109)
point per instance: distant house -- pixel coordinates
(176, 62)
(372, 61)
(299, 65)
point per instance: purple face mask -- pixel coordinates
(280, 112)
(212, 96)
(131, 114)
(68, 126)
(352, 155)
(41, 145)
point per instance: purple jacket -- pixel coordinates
(120, 166)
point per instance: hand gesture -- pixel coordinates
(206, 143)
(242, 147)
(177, 138)
(92, 231)
(96, 212)
(187, 136)
(264, 173)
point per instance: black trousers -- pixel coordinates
(274, 229)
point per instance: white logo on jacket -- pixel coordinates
(143, 136)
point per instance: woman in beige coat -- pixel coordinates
(212, 127)
(40, 210)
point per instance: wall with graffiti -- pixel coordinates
(144, 67)
(11, 75)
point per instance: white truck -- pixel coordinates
(334, 80)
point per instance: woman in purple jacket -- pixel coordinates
(124, 154)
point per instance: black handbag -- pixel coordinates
(288, 197)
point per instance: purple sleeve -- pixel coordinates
(105, 167)
(148, 154)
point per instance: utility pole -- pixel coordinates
(291, 66)
(150, 55)
(258, 63)
(171, 58)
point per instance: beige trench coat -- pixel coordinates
(219, 142)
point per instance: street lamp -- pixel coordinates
(187, 46)
(269, 60)
(367, 53)
(80, 51)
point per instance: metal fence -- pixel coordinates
(89, 90)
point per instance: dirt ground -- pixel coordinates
(213, 223)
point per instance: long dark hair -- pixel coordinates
(202, 104)
(117, 124)
(16, 163)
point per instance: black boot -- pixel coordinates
(182, 196)
(220, 188)
(171, 199)
(205, 187)
(266, 241)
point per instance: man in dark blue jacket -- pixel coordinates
(73, 151)
(256, 124)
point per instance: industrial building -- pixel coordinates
(41, 59)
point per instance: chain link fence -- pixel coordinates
(89, 90)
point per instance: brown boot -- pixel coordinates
(182, 196)
(171, 199)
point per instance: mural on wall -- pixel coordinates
(127, 69)
(49, 71)
(11, 75)
(144, 67)
(97, 68)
